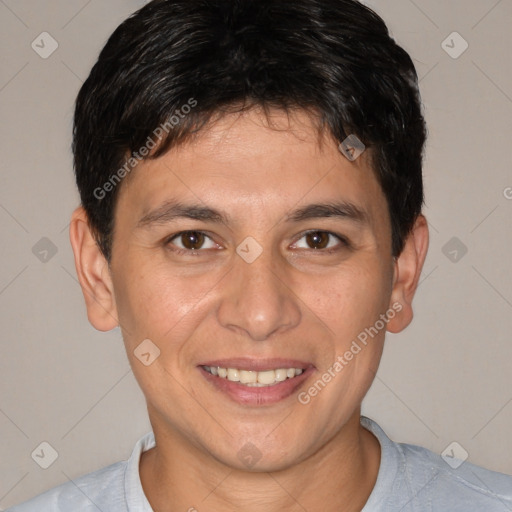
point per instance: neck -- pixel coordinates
(177, 475)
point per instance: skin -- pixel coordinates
(294, 301)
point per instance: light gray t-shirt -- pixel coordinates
(410, 479)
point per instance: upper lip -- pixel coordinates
(257, 365)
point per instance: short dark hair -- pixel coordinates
(332, 58)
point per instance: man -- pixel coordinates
(250, 175)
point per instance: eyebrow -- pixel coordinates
(340, 209)
(172, 210)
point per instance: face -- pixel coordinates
(261, 252)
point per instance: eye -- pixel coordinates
(190, 241)
(321, 240)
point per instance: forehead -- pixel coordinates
(253, 161)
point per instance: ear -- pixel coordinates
(407, 273)
(93, 273)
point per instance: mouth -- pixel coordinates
(261, 382)
(253, 378)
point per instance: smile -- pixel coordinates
(252, 378)
(253, 382)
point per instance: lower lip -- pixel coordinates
(248, 395)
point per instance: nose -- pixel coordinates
(257, 301)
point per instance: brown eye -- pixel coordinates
(317, 239)
(192, 240)
(323, 241)
(190, 243)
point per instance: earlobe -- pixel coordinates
(408, 267)
(93, 273)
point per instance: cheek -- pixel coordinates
(351, 305)
(350, 298)
(157, 303)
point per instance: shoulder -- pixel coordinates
(463, 487)
(412, 478)
(115, 487)
(99, 490)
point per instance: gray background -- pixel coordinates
(446, 378)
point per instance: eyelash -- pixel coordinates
(343, 241)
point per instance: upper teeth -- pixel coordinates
(252, 378)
